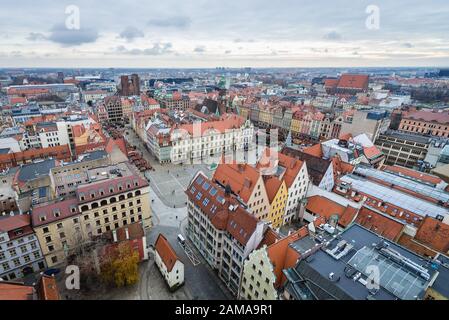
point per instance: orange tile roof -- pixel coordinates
(314, 150)
(10, 223)
(15, 291)
(325, 207)
(226, 122)
(282, 256)
(166, 252)
(238, 222)
(47, 288)
(272, 186)
(241, 177)
(379, 223)
(270, 237)
(435, 234)
(371, 152)
(359, 81)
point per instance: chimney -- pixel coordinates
(114, 235)
(127, 233)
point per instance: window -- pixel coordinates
(45, 230)
(48, 239)
(54, 259)
(36, 255)
(12, 252)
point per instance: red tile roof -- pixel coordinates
(66, 209)
(272, 186)
(10, 223)
(428, 116)
(282, 256)
(166, 252)
(380, 223)
(357, 81)
(314, 150)
(15, 291)
(47, 288)
(326, 208)
(224, 211)
(241, 177)
(435, 234)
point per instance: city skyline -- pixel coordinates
(201, 34)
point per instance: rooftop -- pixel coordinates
(392, 196)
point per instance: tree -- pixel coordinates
(121, 267)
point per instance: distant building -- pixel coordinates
(372, 123)
(424, 122)
(402, 148)
(129, 87)
(114, 109)
(169, 265)
(347, 84)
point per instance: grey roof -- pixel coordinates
(4, 150)
(412, 185)
(398, 198)
(408, 136)
(94, 155)
(36, 170)
(349, 254)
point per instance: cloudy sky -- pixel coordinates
(231, 33)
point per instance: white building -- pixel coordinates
(169, 265)
(210, 139)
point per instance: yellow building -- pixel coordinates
(295, 125)
(110, 202)
(277, 195)
(266, 116)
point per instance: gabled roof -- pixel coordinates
(379, 223)
(166, 252)
(223, 210)
(434, 233)
(242, 178)
(326, 208)
(55, 211)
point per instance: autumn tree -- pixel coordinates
(121, 266)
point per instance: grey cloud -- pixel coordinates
(178, 22)
(156, 50)
(200, 49)
(333, 35)
(131, 33)
(407, 45)
(36, 36)
(70, 37)
(227, 51)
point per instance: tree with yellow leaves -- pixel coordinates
(121, 268)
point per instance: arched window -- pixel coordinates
(121, 197)
(138, 193)
(103, 202)
(129, 195)
(94, 205)
(112, 200)
(84, 208)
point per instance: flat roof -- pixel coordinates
(35, 170)
(400, 270)
(395, 197)
(403, 182)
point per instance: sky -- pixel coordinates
(226, 33)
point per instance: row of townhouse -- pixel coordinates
(299, 120)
